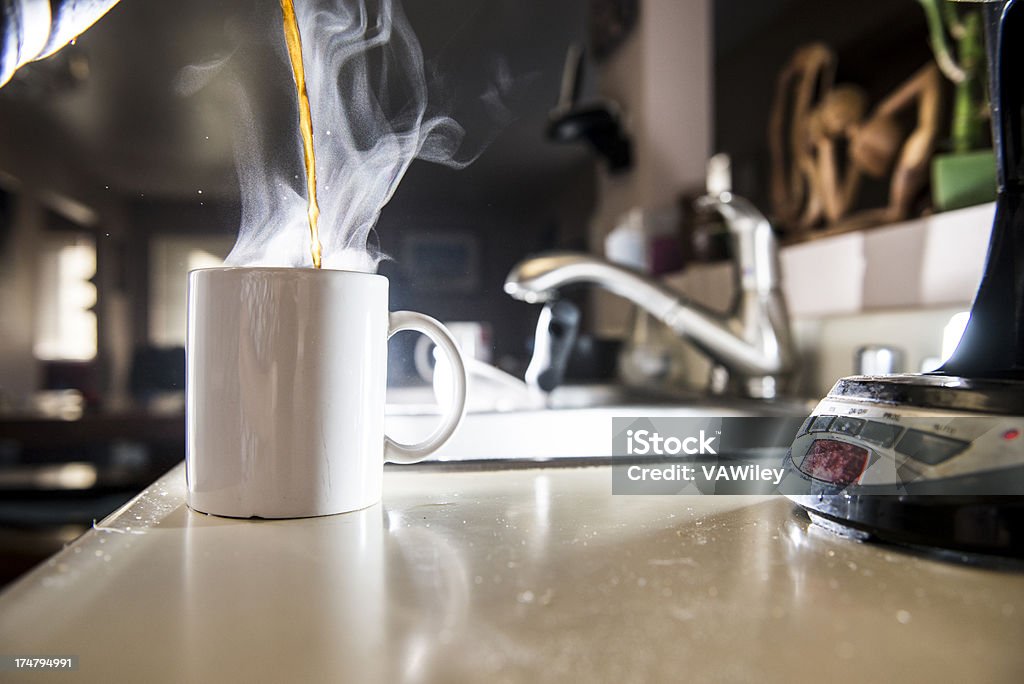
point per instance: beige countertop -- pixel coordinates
(531, 575)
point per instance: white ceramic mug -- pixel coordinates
(286, 378)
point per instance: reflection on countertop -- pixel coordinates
(535, 574)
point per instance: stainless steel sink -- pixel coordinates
(578, 424)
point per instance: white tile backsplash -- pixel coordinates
(829, 344)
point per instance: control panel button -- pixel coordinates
(821, 423)
(882, 434)
(927, 447)
(845, 425)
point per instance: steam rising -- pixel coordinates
(368, 94)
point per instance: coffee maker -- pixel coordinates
(936, 460)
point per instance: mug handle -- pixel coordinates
(396, 452)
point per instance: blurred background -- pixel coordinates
(113, 187)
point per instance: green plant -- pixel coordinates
(966, 69)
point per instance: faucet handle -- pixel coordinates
(556, 334)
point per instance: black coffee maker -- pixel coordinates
(992, 347)
(868, 419)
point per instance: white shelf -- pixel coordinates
(933, 261)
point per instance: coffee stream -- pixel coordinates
(364, 84)
(294, 43)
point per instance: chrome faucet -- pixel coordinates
(752, 341)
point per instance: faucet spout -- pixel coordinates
(539, 278)
(752, 341)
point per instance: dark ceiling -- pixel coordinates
(110, 97)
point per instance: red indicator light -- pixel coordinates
(835, 462)
(1012, 433)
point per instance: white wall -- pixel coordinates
(830, 343)
(661, 77)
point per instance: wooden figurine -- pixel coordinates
(832, 143)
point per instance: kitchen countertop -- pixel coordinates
(526, 574)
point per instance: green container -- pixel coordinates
(963, 179)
